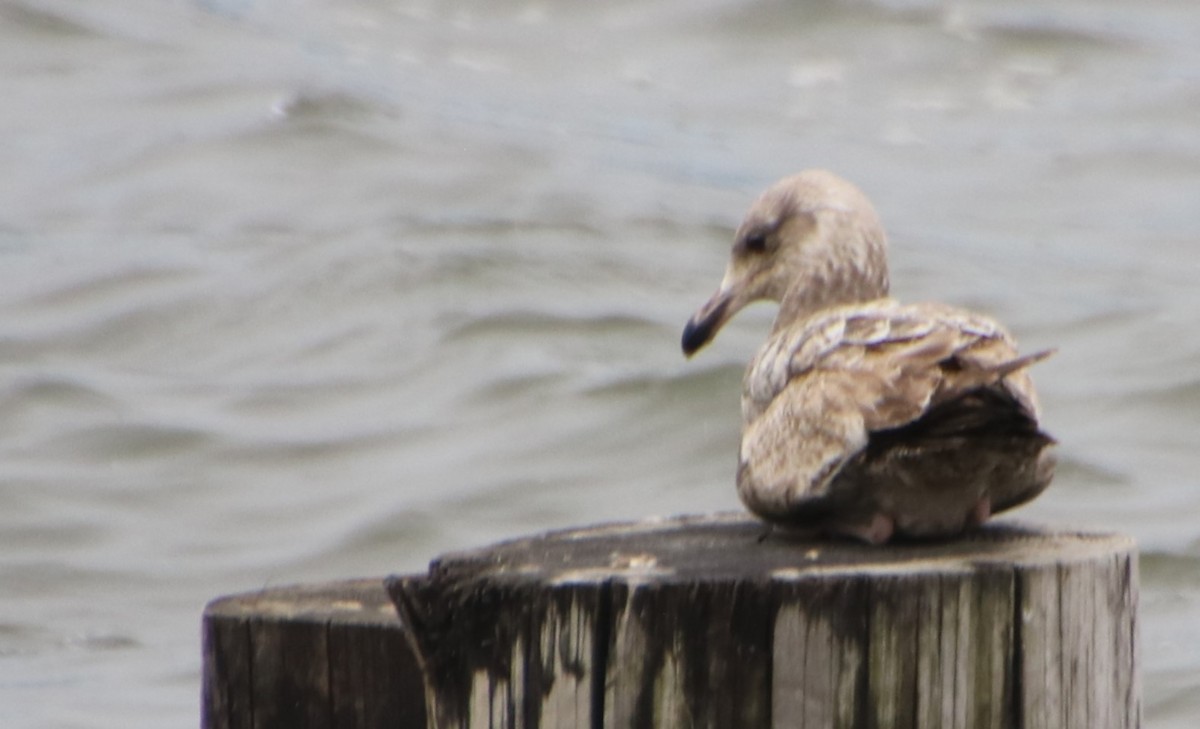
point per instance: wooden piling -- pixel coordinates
(309, 657)
(700, 622)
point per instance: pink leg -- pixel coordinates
(877, 531)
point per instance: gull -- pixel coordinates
(864, 417)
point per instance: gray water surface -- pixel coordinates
(304, 291)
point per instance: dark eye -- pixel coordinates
(756, 243)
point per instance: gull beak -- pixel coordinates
(705, 323)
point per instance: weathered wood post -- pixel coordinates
(699, 622)
(311, 657)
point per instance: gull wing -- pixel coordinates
(819, 389)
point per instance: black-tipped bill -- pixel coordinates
(701, 327)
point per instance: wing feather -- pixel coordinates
(820, 388)
(899, 361)
(871, 367)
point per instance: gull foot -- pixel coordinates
(877, 531)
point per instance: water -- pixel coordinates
(303, 293)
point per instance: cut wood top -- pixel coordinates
(686, 548)
(731, 545)
(361, 601)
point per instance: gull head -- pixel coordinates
(809, 242)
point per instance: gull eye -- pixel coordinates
(756, 243)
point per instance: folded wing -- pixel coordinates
(824, 389)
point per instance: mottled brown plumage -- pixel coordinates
(863, 416)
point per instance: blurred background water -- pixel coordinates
(301, 291)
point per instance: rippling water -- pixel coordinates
(291, 294)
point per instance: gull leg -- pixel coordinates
(877, 531)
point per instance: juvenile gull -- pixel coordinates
(862, 416)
